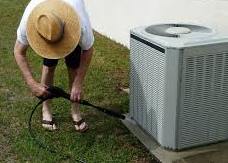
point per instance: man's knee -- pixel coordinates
(48, 70)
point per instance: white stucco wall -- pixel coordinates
(114, 18)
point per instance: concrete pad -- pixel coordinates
(215, 153)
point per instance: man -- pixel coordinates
(56, 29)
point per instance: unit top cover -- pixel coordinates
(179, 35)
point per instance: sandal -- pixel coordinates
(78, 124)
(49, 125)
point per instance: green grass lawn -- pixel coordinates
(106, 141)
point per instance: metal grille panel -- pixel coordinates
(147, 86)
(203, 117)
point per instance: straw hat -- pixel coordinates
(53, 29)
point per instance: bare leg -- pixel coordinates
(75, 107)
(47, 79)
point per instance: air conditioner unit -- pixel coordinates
(179, 84)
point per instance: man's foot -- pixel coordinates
(49, 125)
(47, 121)
(81, 126)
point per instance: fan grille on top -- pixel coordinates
(176, 30)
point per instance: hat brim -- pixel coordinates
(71, 34)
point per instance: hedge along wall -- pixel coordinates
(115, 18)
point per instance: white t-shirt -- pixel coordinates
(87, 38)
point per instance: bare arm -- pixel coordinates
(84, 64)
(20, 57)
(81, 73)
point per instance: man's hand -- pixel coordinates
(38, 89)
(76, 93)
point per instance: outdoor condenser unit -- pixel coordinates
(179, 84)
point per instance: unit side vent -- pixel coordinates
(205, 99)
(148, 71)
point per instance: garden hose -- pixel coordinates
(56, 92)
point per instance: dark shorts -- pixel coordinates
(72, 60)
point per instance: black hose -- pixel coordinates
(42, 145)
(56, 92)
